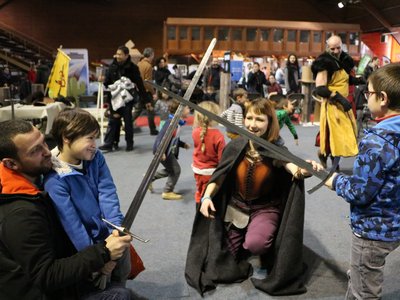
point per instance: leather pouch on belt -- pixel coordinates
(237, 217)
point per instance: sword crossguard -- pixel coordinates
(124, 231)
(330, 173)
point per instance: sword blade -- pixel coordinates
(147, 179)
(280, 152)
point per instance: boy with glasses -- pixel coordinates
(374, 188)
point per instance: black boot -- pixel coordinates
(129, 148)
(337, 168)
(106, 148)
(322, 159)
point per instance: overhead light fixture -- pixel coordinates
(343, 3)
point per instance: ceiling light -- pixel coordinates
(343, 3)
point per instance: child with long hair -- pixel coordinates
(208, 145)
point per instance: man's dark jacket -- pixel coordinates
(255, 82)
(161, 77)
(213, 77)
(130, 70)
(37, 260)
(329, 63)
(209, 261)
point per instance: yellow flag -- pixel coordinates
(58, 79)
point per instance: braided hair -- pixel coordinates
(203, 121)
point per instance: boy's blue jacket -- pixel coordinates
(373, 190)
(83, 198)
(174, 144)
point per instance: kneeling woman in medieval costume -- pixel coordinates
(253, 205)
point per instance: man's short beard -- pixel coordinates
(337, 56)
(41, 170)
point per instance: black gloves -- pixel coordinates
(356, 80)
(322, 91)
(342, 100)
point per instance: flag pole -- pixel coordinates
(51, 72)
(100, 100)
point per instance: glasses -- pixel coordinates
(367, 94)
(335, 48)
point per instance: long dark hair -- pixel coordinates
(293, 71)
(295, 64)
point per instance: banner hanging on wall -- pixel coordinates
(78, 75)
(236, 69)
(364, 61)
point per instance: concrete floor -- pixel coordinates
(168, 226)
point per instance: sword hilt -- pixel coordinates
(123, 231)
